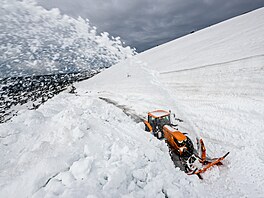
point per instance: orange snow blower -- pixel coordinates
(182, 152)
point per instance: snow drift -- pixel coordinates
(80, 145)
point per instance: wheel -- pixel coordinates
(146, 128)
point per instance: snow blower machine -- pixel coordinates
(182, 151)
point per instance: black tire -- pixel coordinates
(190, 145)
(146, 128)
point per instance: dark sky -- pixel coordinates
(146, 23)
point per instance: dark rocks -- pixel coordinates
(15, 91)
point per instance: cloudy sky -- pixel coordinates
(146, 23)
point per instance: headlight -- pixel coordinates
(182, 149)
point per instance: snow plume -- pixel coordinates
(37, 41)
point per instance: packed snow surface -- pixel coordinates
(83, 146)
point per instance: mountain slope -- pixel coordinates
(234, 39)
(80, 145)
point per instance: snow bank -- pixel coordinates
(79, 146)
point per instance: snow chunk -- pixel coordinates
(77, 133)
(81, 168)
(151, 155)
(66, 178)
(140, 174)
(115, 180)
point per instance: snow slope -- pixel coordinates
(81, 146)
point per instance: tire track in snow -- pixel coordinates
(129, 112)
(212, 65)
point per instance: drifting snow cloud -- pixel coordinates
(36, 41)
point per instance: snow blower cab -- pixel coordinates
(156, 120)
(159, 124)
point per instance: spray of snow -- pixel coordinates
(36, 41)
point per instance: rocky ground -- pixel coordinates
(34, 90)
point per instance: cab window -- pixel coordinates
(150, 119)
(166, 118)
